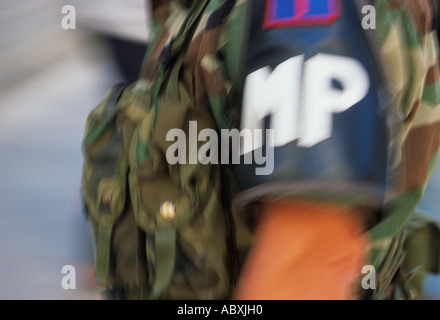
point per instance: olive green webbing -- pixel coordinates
(165, 245)
(165, 239)
(103, 252)
(181, 41)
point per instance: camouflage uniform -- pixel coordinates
(214, 73)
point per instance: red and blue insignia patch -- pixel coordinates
(286, 13)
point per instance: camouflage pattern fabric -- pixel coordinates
(163, 231)
(408, 47)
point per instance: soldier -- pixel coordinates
(347, 94)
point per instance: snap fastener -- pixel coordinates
(107, 196)
(168, 210)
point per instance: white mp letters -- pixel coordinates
(300, 98)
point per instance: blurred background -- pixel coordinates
(50, 79)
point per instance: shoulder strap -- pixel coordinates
(172, 55)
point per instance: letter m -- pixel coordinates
(273, 93)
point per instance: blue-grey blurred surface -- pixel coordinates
(50, 79)
(429, 206)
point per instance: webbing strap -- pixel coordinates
(172, 91)
(165, 239)
(177, 48)
(103, 252)
(165, 246)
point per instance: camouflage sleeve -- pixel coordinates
(409, 49)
